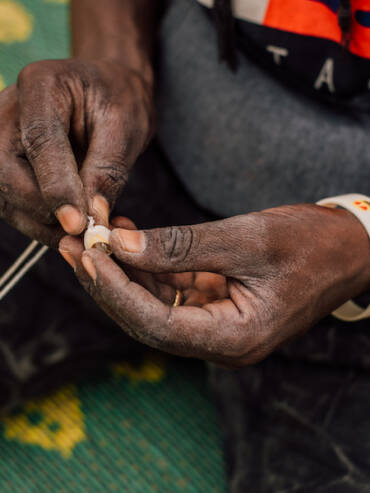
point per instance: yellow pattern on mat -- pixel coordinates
(16, 23)
(152, 370)
(53, 423)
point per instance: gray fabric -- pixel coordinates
(293, 427)
(244, 141)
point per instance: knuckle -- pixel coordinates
(4, 182)
(143, 116)
(3, 208)
(112, 177)
(41, 215)
(114, 112)
(26, 72)
(46, 217)
(66, 76)
(53, 190)
(44, 70)
(4, 188)
(38, 136)
(177, 243)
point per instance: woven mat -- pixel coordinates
(136, 429)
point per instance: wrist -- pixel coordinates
(115, 30)
(132, 56)
(349, 252)
(120, 66)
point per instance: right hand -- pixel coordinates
(249, 283)
(70, 132)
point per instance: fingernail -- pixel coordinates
(101, 207)
(68, 258)
(89, 267)
(72, 221)
(131, 241)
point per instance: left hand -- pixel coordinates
(70, 131)
(277, 272)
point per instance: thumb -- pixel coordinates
(209, 247)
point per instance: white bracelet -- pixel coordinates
(359, 205)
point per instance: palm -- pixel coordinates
(197, 288)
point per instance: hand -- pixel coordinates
(285, 269)
(198, 288)
(70, 132)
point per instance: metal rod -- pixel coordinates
(24, 269)
(22, 258)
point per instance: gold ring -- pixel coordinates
(178, 298)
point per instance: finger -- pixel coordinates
(19, 189)
(180, 281)
(216, 247)
(105, 170)
(47, 235)
(71, 248)
(99, 210)
(123, 222)
(186, 331)
(44, 123)
(18, 185)
(10, 141)
(207, 287)
(163, 290)
(113, 148)
(8, 99)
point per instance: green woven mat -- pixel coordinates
(137, 429)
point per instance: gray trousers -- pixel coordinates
(299, 421)
(244, 141)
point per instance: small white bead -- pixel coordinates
(96, 234)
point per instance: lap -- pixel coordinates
(295, 426)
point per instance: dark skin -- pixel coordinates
(71, 131)
(273, 275)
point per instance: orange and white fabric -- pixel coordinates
(359, 205)
(308, 17)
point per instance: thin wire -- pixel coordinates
(22, 258)
(24, 269)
